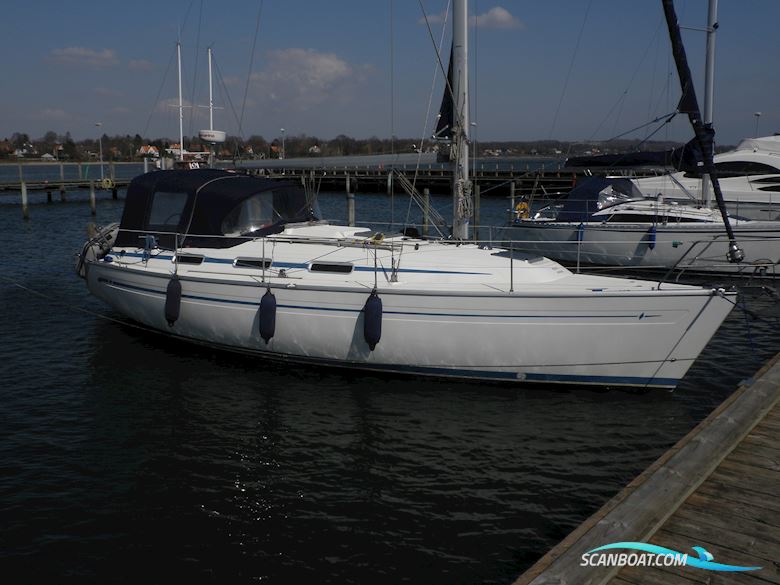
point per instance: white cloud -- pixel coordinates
(140, 65)
(497, 17)
(433, 19)
(84, 56)
(53, 114)
(108, 92)
(303, 78)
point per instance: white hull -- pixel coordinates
(469, 325)
(741, 197)
(754, 193)
(689, 246)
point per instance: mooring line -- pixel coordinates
(76, 308)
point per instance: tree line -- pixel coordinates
(128, 147)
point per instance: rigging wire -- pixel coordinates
(159, 93)
(474, 88)
(652, 78)
(392, 107)
(195, 76)
(571, 67)
(249, 72)
(666, 117)
(436, 66)
(448, 87)
(226, 92)
(621, 100)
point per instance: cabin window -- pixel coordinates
(340, 268)
(737, 168)
(166, 210)
(639, 218)
(267, 208)
(251, 215)
(743, 168)
(252, 263)
(188, 259)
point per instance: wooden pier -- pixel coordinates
(494, 179)
(717, 488)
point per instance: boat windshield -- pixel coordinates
(267, 208)
(618, 192)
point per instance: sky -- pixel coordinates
(574, 70)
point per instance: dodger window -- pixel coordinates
(267, 208)
(166, 210)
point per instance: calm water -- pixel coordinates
(126, 457)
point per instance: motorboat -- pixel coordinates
(608, 222)
(749, 176)
(245, 264)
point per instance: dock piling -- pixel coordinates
(25, 207)
(476, 212)
(62, 184)
(511, 201)
(350, 203)
(426, 210)
(92, 206)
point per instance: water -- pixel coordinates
(126, 457)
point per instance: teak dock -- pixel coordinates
(717, 488)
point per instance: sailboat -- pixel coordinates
(613, 222)
(749, 175)
(245, 264)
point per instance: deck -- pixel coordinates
(718, 488)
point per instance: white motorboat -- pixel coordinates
(243, 263)
(749, 177)
(606, 222)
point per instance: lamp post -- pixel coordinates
(100, 142)
(757, 115)
(283, 153)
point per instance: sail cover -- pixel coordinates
(687, 158)
(447, 108)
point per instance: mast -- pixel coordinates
(709, 88)
(211, 96)
(704, 133)
(181, 105)
(461, 186)
(213, 137)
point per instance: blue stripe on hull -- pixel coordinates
(348, 310)
(424, 370)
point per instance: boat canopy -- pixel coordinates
(687, 158)
(209, 208)
(593, 195)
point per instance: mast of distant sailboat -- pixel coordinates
(709, 88)
(181, 105)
